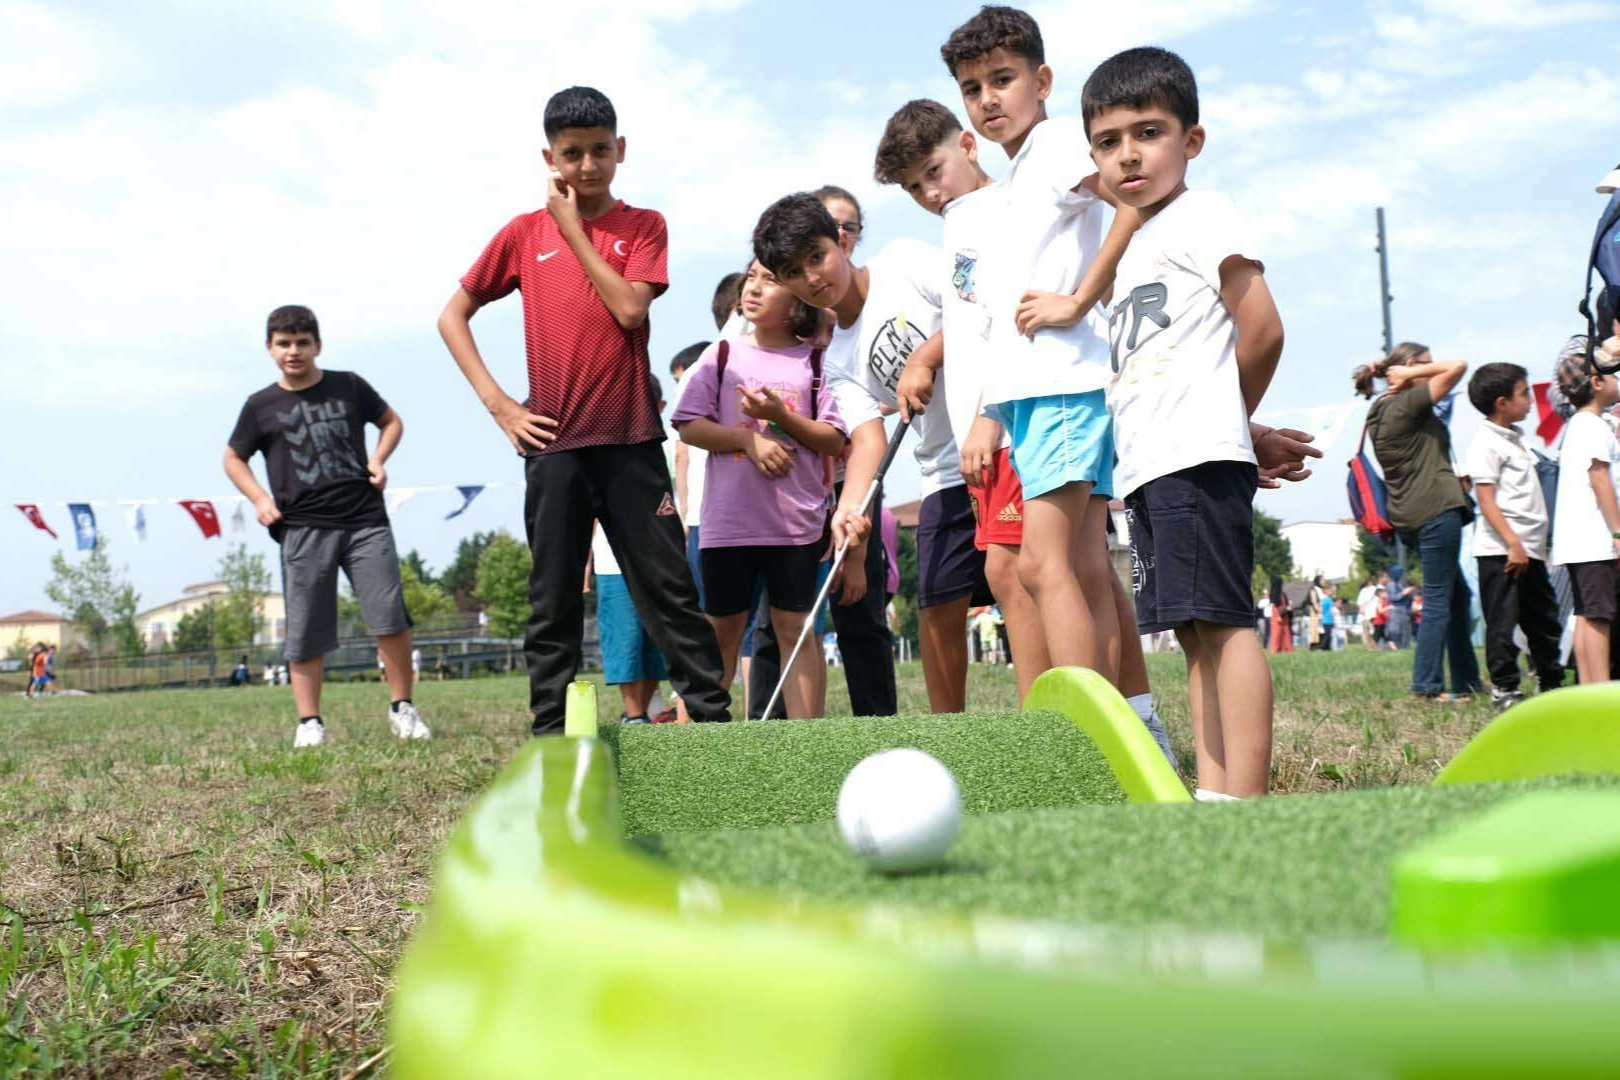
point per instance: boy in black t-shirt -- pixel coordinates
(327, 513)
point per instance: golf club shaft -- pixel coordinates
(838, 561)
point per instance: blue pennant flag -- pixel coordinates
(1442, 408)
(84, 525)
(469, 492)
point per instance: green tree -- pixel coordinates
(461, 579)
(1373, 556)
(240, 614)
(1273, 554)
(96, 596)
(905, 550)
(413, 559)
(503, 585)
(424, 599)
(195, 630)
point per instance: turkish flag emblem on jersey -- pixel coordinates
(202, 512)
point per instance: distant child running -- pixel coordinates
(766, 418)
(589, 267)
(325, 507)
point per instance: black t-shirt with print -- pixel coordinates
(314, 444)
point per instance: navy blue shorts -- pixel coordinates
(731, 577)
(1192, 546)
(949, 563)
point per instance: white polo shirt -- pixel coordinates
(1498, 457)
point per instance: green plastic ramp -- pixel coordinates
(1093, 705)
(1564, 732)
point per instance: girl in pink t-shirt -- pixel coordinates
(755, 405)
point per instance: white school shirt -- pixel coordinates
(697, 460)
(1047, 238)
(863, 362)
(1580, 533)
(602, 560)
(971, 225)
(1175, 396)
(1499, 457)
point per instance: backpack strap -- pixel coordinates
(815, 381)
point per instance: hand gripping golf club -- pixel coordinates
(838, 561)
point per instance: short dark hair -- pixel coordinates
(579, 107)
(658, 389)
(911, 134)
(1139, 78)
(726, 295)
(1494, 381)
(994, 27)
(292, 319)
(788, 231)
(803, 320)
(687, 357)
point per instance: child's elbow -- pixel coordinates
(631, 317)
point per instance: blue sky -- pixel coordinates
(172, 175)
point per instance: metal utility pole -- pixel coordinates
(1383, 282)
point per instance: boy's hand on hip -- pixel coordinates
(1038, 310)
(267, 511)
(524, 430)
(562, 202)
(768, 455)
(377, 474)
(914, 390)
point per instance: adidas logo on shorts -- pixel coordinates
(1009, 514)
(667, 507)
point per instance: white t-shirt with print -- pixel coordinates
(1048, 236)
(1498, 457)
(1579, 533)
(864, 361)
(1175, 396)
(971, 226)
(696, 467)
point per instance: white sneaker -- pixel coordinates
(310, 733)
(406, 722)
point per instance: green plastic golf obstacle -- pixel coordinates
(551, 948)
(1573, 730)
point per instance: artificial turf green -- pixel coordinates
(760, 774)
(1290, 867)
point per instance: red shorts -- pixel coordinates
(999, 509)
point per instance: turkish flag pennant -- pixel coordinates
(202, 512)
(1548, 423)
(36, 519)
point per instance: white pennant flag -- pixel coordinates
(135, 514)
(398, 497)
(239, 515)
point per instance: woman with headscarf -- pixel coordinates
(1427, 505)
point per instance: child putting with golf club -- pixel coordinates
(761, 409)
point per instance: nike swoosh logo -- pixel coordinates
(543, 256)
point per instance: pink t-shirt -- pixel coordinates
(741, 505)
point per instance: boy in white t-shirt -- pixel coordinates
(926, 152)
(1586, 532)
(1195, 342)
(1050, 348)
(887, 311)
(1510, 539)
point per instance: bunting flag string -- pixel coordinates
(209, 514)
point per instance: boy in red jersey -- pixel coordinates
(588, 266)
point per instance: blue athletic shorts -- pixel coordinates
(1061, 439)
(628, 654)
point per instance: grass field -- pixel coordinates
(181, 891)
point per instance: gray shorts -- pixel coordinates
(310, 560)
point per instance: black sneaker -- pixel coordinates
(1505, 699)
(623, 719)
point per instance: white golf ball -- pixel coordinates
(900, 810)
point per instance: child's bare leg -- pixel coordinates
(637, 696)
(396, 650)
(306, 684)
(1243, 686)
(1025, 637)
(1592, 649)
(1203, 701)
(944, 654)
(1099, 584)
(804, 691)
(728, 631)
(1052, 530)
(1133, 678)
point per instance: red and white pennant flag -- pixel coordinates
(202, 512)
(35, 518)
